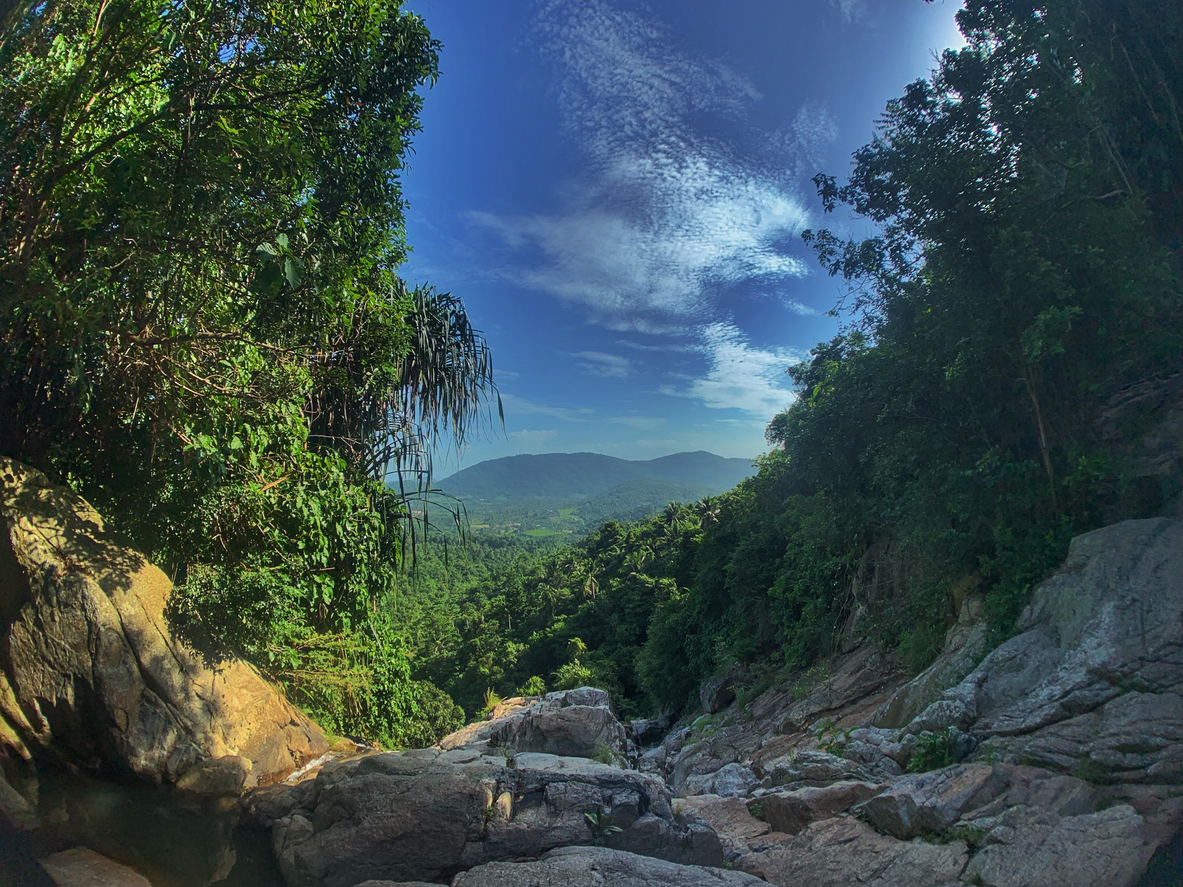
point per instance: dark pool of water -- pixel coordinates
(1166, 868)
(172, 840)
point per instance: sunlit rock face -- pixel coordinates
(572, 723)
(90, 674)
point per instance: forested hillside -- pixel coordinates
(1011, 334)
(567, 494)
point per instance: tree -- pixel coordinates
(203, 326)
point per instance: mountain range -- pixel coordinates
(565, 493)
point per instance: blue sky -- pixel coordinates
(616, 190)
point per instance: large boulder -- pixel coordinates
(1027, 848)
(1093, 683)
(790, 812)
(597, 866)
(929, 803)
(730, 818)
(729, 781)
(430, 813)
(81, 867)
(90, 674)
(841, 851)
(571, 723)
(719, 692)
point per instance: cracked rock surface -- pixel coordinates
(90, 675)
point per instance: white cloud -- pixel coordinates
(740, 376)
(599, 363)
(666, 215)
(644, 423)
(514, 404)
(799, 307)
(533, 438)
(852, 11)
(663, 347)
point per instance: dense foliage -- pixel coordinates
(949, 442)
(203, 327)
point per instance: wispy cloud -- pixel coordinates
(532, 438)
(666, 215)
(740, 376)
(600, 363)
(799, 307)
(852, 11)
(663, 347)
(514, 404)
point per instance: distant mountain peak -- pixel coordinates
(579, 476)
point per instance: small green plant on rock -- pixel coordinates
(492, 700)
(934, 750)
(830, 739)
(809, 682)
(604, 754)
(1089, 770)
(599, 826)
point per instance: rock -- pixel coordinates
(964, 648)
(693, 843)
(15, 809)
(653, 760)
(644, 730)
(850, 693)
(574, 723)
(91, 675)
(719, 692)
(265, 805)
(729, 781)
(596, 866)
(730, 819)
(875, 746)
(567, 788)
(813, 767)
(842, 851)
(226, 775)
(81, 867)
(718, 747)
(1094, 681)
(571, 723)
(427, 814)
(373, 883)
(972, 796)
(400, 816)
(790, 812)
(1031, 788)
(1104, 849)
(929, 803)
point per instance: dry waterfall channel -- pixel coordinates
(1055, 758)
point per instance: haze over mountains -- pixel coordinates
(564, 493)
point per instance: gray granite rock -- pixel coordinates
(790, 812)
(1032, 849)
(598, 866)
(842, 851)
(427, 814)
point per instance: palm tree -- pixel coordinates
(380, 408)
